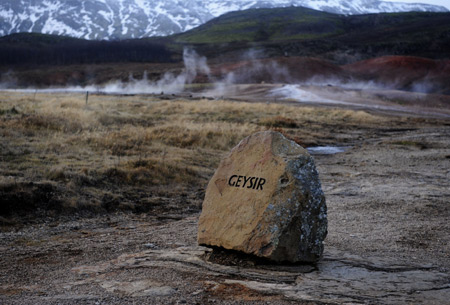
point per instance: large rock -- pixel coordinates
(266, 199)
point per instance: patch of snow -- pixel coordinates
(122, 17)
(86, 20)
(53, 26)
(33, 18)
(109, 16)
(249, 5)
(104, 15)
(159, 10)
(217, 9)
(144, 5)
(52, 6)
(6, 14)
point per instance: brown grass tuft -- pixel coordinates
(279, 121)
(121, 151)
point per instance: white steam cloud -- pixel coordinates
(169, 83)
(294, 92)
(8, 80)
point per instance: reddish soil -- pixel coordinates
(278, 70)
(405, 73)
(391, 72)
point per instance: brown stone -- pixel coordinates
(266, 199)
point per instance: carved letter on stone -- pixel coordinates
(270, 202)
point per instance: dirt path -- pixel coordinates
(374, 100)
(388, 242)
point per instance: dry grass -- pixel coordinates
(122, 151)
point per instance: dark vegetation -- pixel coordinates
(41, 49)
(277, 24)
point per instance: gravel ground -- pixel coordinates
(388, 242)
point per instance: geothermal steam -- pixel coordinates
(169, 83)
(301, 78)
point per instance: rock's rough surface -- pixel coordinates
(266, 199)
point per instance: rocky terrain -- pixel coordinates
(386, 191)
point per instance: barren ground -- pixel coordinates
(387, 196)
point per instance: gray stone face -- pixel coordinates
(266, 199)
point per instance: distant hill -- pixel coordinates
(306, 32)
(283, 24)
(43, 49)
(278, 24)
(113, 19)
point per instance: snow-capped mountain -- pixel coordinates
(119, 19)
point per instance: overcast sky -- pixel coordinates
(445, 3)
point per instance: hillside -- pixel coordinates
(277, 24)
(306, 32)
(114, 19)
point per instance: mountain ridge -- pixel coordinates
(125, 19)
(267, 32)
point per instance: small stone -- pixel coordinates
(151, 246)
(265, 199)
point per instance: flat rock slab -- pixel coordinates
(265, 199)
(337, 279)
(138, 288)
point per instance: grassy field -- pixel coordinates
(99, 202)
(137, 153)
